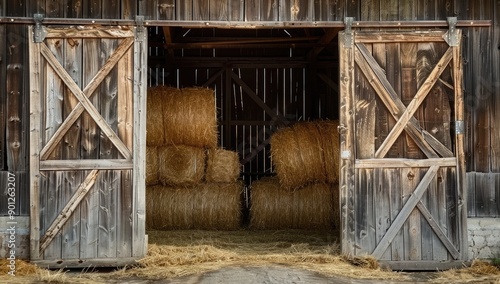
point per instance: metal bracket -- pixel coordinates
(459, 127)
(139, 28)
(39, 32)
(348, 37)
(451, 36)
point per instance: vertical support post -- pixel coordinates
(346, 129)
(35, 145)
(459, 149)
(139, 145)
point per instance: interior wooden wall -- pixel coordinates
(481, 69)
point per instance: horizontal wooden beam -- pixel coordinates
(91, 164)
(247, 24)
(404, 163)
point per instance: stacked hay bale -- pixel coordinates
(305, 193)
(191, 183)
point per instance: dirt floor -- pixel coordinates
(251, 257)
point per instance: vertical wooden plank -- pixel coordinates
(129, 9)
(52, 206)
(93, 9)
(408, 10)
(253, 8)
(236, 10)
(365, 212)
(482, 196)
(471, 196)
(389, 10)
(408, 91)
(148, 9)
(3, 99)
(393, 73)
(139, 151)
(411, 230)
(71, 231)
(302, 10)
(370, 10)
(394, 179)
(14, 97)
(461, 190)
(201, 10)
(437, 207)
(346, 123)
(73, 9)
(108, 100)
(110, 9)
(425, 9)
(108, 186)
(184, 10)
(481, 70)
(495, 90)
(382, 205)
(54, 8)
(35, 146)
(166, 9)
(219, 10)
(269, 10)
(89, 150)
(89, 216)
(322, 10)
(285, 10)
(351, 8)
(125, 132)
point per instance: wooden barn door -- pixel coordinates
(87, 134)
(402, 160)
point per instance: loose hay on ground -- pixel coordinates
(151, 165)
(189, 117)
(222, 166)
(155, 135)
(181, 165)
(275, 207)
(205, 206)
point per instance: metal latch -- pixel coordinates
(139, 28)
(459, 127)
(39, 32)
(348, 36)
(451, 36)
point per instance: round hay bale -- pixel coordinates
(297, 154)
(151, 165)
(181, 165)
(189, 117)
(331, 148)
(275, 207)
(207, 206)
(222, 166)
(155, 135)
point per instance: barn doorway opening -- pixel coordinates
(264, 80)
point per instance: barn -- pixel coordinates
(413, 86)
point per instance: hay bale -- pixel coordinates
(208, 206)
(222, 166)
(155, 135)
(275, 207)
(298, 155)
(181, 165)
(306, 153)
(331, 148)
(151, 165)
(189, 117)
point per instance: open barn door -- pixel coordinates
(402, 160)
(87, 134)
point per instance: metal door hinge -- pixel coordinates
(39, 32)
(348, 37)
(459, 127)
(139, 28)
(451, 36)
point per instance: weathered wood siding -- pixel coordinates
(480, 51)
